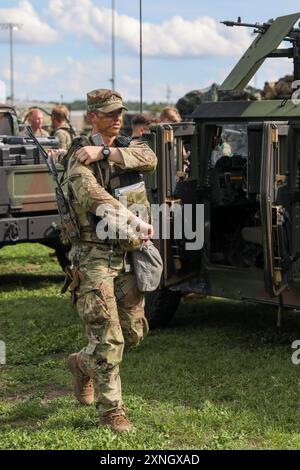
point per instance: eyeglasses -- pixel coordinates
(112, 115)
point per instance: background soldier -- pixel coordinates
(108, 300)
(170, 114)
(35, 120)
(140, 125)
(62, 129)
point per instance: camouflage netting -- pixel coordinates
(282, 89)
(191, 100)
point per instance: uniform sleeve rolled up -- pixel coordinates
(138, 156)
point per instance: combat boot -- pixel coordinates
(117, 421)
(83, 384)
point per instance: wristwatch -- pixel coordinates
(105, 152)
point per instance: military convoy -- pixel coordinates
(243, 171)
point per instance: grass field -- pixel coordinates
(219, 377)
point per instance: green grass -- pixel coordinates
(219, 377)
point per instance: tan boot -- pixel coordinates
(83, 385)
(117, 421)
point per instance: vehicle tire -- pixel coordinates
(161, 306)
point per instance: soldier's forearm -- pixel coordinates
(140, 158)
(116, 156)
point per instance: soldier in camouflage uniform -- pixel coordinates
(108, 300)
(62, 130)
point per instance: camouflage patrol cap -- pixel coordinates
(104, 100)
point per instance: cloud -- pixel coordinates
(44, 80)
(174, 38)
(33, 30)
(37, 81)
(72, 79)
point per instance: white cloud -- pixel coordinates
(174, 38)
(44, 80)
(73, 78)
(34, 29)
(35, 81)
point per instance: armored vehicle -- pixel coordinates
(244, 171)
(28, 209)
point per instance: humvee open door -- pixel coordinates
(275, 216)
(275, 219)
(244, 169)
(170, 191)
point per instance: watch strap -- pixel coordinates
(105, 153)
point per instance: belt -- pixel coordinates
(88, 239)
(92, 238)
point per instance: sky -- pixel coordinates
(63, 47)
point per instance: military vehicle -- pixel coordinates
(28, 209)
(245, 171)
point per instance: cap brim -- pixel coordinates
(112, 107)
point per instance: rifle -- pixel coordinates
(66, 212)
(50, 142)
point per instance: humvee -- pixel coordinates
(28, 210)
(245, 170)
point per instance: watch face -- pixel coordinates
(106, 151)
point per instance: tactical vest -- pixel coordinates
(69, 129)
(110, 180)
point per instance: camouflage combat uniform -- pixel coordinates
(64, 136)
(42, 133)
(108, 300)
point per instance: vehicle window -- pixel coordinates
(230, 140)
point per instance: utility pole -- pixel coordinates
(141, 58)
(113, 59)
(169, 92)
(11, 27)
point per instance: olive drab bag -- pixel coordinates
(148, 267)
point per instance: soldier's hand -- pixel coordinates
(89, 154)
(145, 230)
(56, 153)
